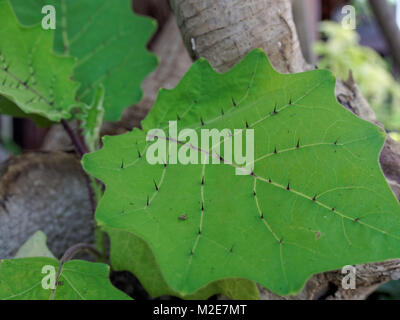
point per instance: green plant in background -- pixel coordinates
(104, 52)
(35, 271)
(73, 77)
(342, 53)
(33, 78)
(315, 200)
(104, 37)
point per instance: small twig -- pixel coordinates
(74, 139)
(71, 252)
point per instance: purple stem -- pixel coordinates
(74, 139)
(68, 255)
(71, 252)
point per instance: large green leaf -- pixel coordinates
(109, 42)
(22, 279)
(36, 80)
(315, 201)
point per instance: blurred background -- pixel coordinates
(361, 37)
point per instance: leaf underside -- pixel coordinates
(317, 199)
(21, 279)
(31, 77)
(35, 246)
(9, 108)
(109, 42)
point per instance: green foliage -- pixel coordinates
(109, 42)
(342, 53)
(317, 199)
(395, 136)
(22, 279)
(31, 78)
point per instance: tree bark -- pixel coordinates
(224, 32)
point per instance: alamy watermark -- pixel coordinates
(186, 147)
(49, 20)
(349, 280)
(49, 281)
(349, 20)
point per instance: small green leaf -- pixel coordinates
(31, 279)
(317, 199)
(35, 246)
(30, 75)
(109, 42)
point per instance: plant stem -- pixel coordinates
(74, 139)
(71, 252)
